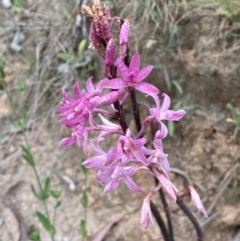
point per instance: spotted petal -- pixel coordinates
(122, 69)
(89, 85)
(147, 88)
(114, 84)
(143, 73)
(135, 63)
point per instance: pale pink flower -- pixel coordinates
(196, 201)
(127, 148)
(163, 113)
(157, 156)
(167, 185)
(146, 213)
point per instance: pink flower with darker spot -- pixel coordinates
(79, 110)
(127, 148)
(132, 77)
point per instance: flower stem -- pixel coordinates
(135, 107)
(190, 216)
(160, 221)
(117, 106)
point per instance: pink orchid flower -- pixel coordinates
(132, 77)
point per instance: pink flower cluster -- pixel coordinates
(129, 154)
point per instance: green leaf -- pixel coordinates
(172, 36)
(56, 193)
(178, 105)
(65, 57)
(82, 46)
(35, 193)
(2, 73)
(78, 64)
(171, 128)
(234, 113)
(28, 156)
(84, 200)
(58, 203)
(46, 223)
(188, 107)
(21, 87)
(149, 8)
(24, 116)
(83, 228)
(84, 169)
(17, 123)
(178, 86)
(35, 236)
(46, 190)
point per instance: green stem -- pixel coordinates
(55, 212)
(28, 146)
(85, 209)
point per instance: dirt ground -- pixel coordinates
(204, 58)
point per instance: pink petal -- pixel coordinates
(147, 88)
(76, 91)
(66, 96)
(124, 32)
(62, 109)
(143, 73)
(114, 84)
(130, 170)
(67, 141)
(110, 98)
(135, 64)
(108, 123)
(93, 35)
(110, 52)
(111, 186)
(168, 186)
(95, 162)
(196, 201)
(166, 103)
(146, 214)
(105, 176)
(158, 144)
(146, 151)
(163, 133)
(138, 142)
(159, 136)
(89, 85)
(122, 69)
(139, 155)
(164, 164)
(172, 115)
(131, 184)
(99, 87)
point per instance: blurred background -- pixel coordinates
(194, 46)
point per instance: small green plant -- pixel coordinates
(84, 202)
(17, 5)
(71, 58)
(44, 191)
(235, 116)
